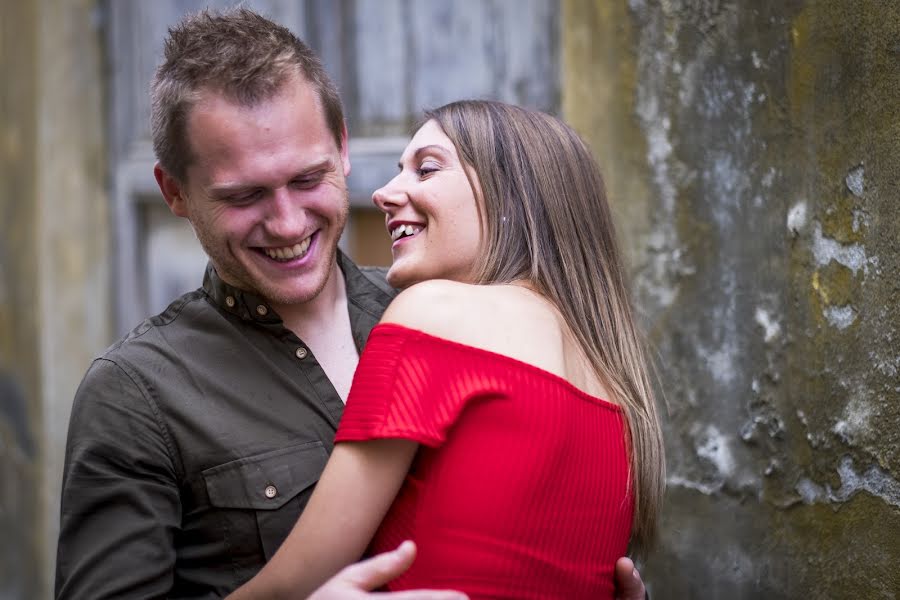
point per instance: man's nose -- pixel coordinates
(286, 215)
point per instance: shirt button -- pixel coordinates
(271, 491)
(261, 310)
(229, 301)
(301, 353)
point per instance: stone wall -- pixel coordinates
(752, 154)
(54, 274)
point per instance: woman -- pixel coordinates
(501, 415)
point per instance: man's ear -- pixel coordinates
(345, 150)
(172, 191)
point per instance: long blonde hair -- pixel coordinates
(545, 218)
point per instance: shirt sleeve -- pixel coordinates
(120, 502)
(409, 385)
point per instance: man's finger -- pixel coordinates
(381, 568)
(424, 595)
(628, 581)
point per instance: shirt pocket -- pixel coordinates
(274, 485)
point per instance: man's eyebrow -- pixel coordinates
(425, 150)
(229, 187)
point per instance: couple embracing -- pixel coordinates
(498, 410)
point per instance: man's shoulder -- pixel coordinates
(152, 355)
(157, 330)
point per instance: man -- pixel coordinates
(196, 440)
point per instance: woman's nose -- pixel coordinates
(389, 196)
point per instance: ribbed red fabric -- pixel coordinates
(520, 489)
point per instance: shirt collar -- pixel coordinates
(361, 290)
(244, 304)
(362, 293)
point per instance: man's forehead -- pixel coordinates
(296, 108)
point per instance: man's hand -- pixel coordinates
(356, 581)
(628, 581)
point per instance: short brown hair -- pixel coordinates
(545, 219)
(239, 54)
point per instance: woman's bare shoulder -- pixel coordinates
(434, 307)
(492, 317)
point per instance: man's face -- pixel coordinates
(266, 193)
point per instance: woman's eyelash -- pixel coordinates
(423, 170)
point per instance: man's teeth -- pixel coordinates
(404, 230)
(289, 252)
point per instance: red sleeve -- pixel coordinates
(408, 385)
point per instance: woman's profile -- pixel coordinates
(501, 415)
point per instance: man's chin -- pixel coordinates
(290, 296)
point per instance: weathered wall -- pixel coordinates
(752, 152)
(54, 282)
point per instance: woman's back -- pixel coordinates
(521, 486)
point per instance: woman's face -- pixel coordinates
(430, 212)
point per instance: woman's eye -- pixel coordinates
(426, 170)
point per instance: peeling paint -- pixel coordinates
(855, 181)
(873, 481)
(885, 366)
(703, 488)
(796, 218)
(657, 281)
(855, 421)
(852, 256)
(772, 424)
(860, 220)
(720, 362)
(713, 446)
(809, 491)
(770, 326)
(841, 317)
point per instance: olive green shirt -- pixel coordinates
(195, 442)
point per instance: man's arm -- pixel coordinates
(120, 501)
(351, 498)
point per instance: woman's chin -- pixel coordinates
(400, 278)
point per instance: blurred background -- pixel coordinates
(752, 153)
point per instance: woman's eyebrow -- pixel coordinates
(436, 148)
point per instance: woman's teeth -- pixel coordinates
(404, 230)
(289, 252)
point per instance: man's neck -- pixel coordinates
(323, 324)
(320, 312)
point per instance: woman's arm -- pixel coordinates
(354, 493)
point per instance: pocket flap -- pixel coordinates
(265, 481)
